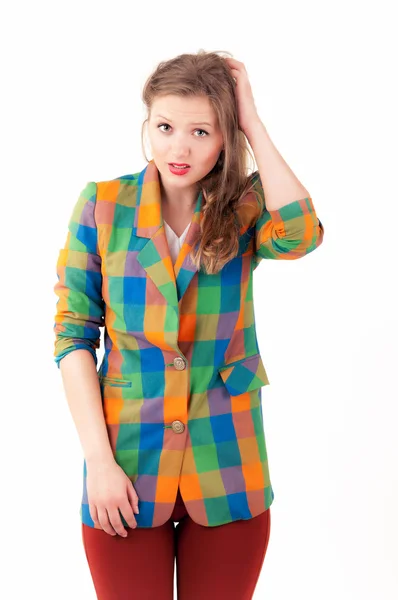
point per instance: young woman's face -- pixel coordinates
(185, 131)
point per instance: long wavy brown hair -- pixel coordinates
(207, 73)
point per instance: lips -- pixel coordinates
(180, 164)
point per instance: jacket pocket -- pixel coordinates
(114, 381)
(244, 375)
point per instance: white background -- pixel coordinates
(322, 75)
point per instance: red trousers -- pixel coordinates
(213, 563)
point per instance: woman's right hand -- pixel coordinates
(109, 489)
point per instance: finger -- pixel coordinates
(127, 511)
(237, 63)
(93, 513)
(103, 519)
(116, 521)
(235, 73)
(133, 498)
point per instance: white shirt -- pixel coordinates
(175, 242)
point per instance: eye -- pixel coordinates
(167, 125)
(205, 132)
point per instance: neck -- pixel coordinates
(184, 200)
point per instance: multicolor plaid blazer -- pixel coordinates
(181, 376)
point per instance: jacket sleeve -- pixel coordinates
(80, 309)
(287, 233)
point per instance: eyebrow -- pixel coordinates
(200, 122)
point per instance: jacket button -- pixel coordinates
(177, 426)
(179, 363)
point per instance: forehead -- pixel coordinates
(190, 110)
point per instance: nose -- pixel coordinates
(180, 150)
(180, 156)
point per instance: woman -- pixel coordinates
(171, 424)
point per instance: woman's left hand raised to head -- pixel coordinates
(247, 111)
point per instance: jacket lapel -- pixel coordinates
(154, 256)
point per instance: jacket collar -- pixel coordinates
(154, 256)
